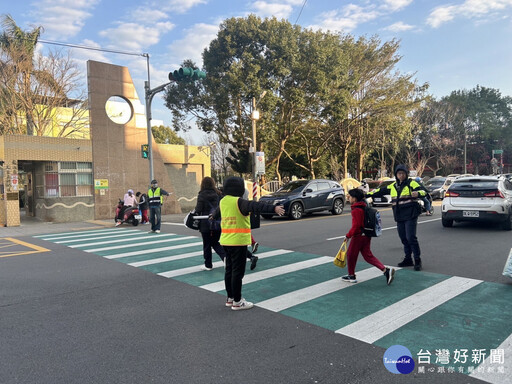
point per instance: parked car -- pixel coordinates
(306, 196)
(386, 199)
(478, 198)
(434, 186)
(438, 185)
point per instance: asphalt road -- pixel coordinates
(71, 316)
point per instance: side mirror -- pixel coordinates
(309, 190)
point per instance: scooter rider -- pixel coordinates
(155, 197)
(129, 201)
(404, 197)
(425, 199)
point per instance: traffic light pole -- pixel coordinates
(150, 93)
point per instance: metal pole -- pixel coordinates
(149, 97)
(255, 175)
(465, 157)
(150, 135)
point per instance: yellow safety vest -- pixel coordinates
(235, 227)
(155, 197)
(405, 194)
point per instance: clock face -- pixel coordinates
(119, 109)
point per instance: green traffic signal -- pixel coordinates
(144, 148)
(186, 74)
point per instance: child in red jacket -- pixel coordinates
(359, 242)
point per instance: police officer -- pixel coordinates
(155, 200)
(404, 198)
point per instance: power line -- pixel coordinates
(300, 13)
(93, 48)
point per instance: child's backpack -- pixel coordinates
(372, 222)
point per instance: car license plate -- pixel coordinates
(137, 217)
(470, 213)
(377, 199)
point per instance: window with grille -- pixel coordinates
(67, 179)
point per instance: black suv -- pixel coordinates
(306, 196)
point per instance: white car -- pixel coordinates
(478, 198)
(386, 199)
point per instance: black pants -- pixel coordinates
(407, 233)
(236, 257)
(211, 239)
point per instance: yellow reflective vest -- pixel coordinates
(405, 207)
(235, 227)
(155, 197)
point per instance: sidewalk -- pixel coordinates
(31, 226)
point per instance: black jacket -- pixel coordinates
(207, 200)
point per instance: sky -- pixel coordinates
(450, 44)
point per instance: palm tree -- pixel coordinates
(19, 46)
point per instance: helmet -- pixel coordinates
(418, 179)
(130, 191)
(154, 182)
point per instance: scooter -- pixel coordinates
(129, 215)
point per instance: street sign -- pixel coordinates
(260, 163)
(497, 151)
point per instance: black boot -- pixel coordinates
(417, 264)
(406, 262)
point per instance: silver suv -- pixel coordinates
(478, 198)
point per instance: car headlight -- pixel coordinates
(278, 201)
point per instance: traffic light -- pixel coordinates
(186, 74)
(144, 148)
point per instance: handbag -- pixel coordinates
(341, 257)
(507, 270)
(191, 222)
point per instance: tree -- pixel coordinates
(41, 95)
(481, 121)
(19, 46)
(166, 135)
(297, 69)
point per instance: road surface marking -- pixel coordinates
(167, 240)
(143, 236)
(219, 285)
(387, 320)
(34, 248)
(89, 234)
(312, 292)
(110, 236)
(385, 229)
(165, 259)
(146, 251)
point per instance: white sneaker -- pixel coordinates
(205, 268)
(242, 304)
(118, 224)
(229, 302)
(157, 231)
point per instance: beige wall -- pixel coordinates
(14, 148)
(116, 147)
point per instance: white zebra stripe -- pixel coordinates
(135, 253)
(291, 299)
(167, 240)
(268, 273)
(165, 259)
(142, 237)
(387, 320)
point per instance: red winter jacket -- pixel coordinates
(357, 220)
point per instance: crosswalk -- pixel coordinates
(420, 310)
